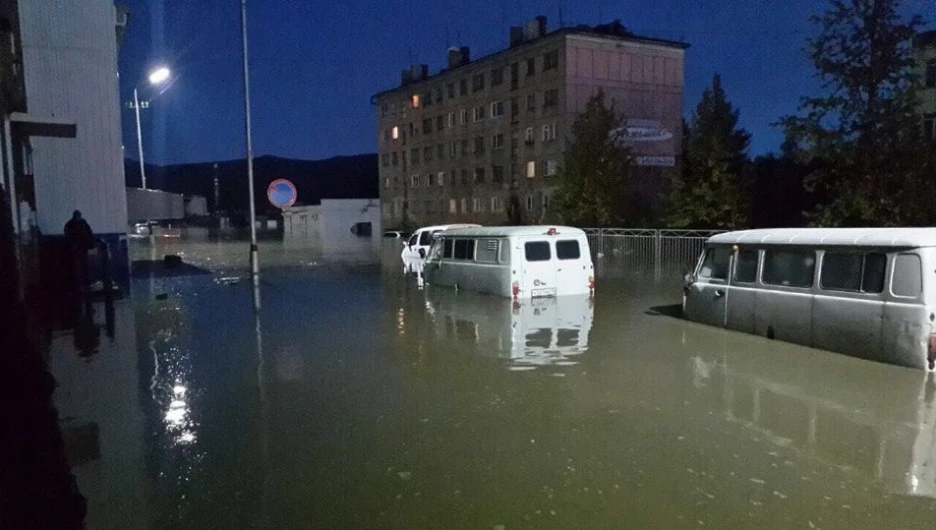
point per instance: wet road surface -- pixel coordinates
(357, 398)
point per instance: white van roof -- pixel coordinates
(507, 231)
(860, 237)
(446, 227)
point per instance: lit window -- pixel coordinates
(395, 133)
(531, 169)
(415, 101)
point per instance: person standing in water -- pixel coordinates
(80, 239)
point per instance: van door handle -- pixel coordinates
(719, 293)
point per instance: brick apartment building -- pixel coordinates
(481, 141)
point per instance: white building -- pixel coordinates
(336, 225)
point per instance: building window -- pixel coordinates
(476, 205)
(430, 180)
(514, 109)
(451, 119)
(440, 178)
(394, 159)
(479, 145)
(453, 206)
(453, 150)
(440, 152)
(385, 159)
(528, 136)
(464, 205)
(465, 177)
(414, 181)
(477, 83)
(463, 87)
(437, 95)
(479, 175)
(550, 98)
(497, 109)
(412, 130)
(530, 66)
(514, 76)
(385, 135)
(497, 76)
(427, 153)
(464, 148)
(478, 113)
(531, 102)
(414, 157)
(551, 60)
(529, 203)
(531, 169)
(497, 141)
(427, 98)
(551, 167)
(497, 174)
(464, 117)
(386, 182)
(427, 126)
(930, 81)
(545, 202)
(549, 132)
(497, 205)
(414, 101)
(450, 89)
(395, 132)
(440, 122)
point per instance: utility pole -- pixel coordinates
(217, 193)
(136, 108)
(254, 263)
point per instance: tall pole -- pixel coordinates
(254, 264)
(136, 107)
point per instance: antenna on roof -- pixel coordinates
(561, 20)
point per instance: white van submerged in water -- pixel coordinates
(866, 292)
(513, 261)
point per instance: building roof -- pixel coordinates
(506, 231)
(851, 237)
(577, 30)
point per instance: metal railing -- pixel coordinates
(639, 251)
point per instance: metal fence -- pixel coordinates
(644, 252)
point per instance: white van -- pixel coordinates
(513, 261)
(867, 292)
(417, 246)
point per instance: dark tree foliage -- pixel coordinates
(862, 137)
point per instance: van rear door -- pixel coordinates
(539, 268)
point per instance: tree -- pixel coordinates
(862, 137)
(595, 174)
(711, 193)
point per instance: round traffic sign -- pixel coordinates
(282, 193)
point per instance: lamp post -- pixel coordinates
(254, 263)
(156, 77)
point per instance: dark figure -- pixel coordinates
(80, 239)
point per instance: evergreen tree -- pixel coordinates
(711, 193)
(862, 137)
(595, 175)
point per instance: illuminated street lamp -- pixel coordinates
(156, 77)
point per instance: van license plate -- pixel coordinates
(539, 293)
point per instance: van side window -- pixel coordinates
(537, 251)
(908, 280)
(487, 251)
(470, 249)
(505, 251)
(568, 249)
(715, 264)
(862, 273)
(461, 249)
(789, 267)
(746, 266)
(447, 248)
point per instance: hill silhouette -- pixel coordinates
(340, 177)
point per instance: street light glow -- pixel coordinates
(159, 75)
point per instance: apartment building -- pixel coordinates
(924, 50)
(482, 140)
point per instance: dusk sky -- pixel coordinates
(315, 65)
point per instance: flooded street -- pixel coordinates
(357, 397)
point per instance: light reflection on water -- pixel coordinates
(395, 404)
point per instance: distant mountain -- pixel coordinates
(341, 177)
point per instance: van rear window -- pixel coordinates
(860, 273)
(568, 249)
(908, 280)
(789, 268)
(537, 251)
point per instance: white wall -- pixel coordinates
(339, 215)
(146, 205)
(70, 66)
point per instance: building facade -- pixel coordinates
(924, 48)
(482, 141)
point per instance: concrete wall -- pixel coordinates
(329, 225)
(154, 205)
(70, 66)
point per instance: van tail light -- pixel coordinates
(932, 352)
(591, 284)
(516, 289)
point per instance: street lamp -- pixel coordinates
(254, 262)
(156, 77)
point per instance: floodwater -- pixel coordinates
(356, 397)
